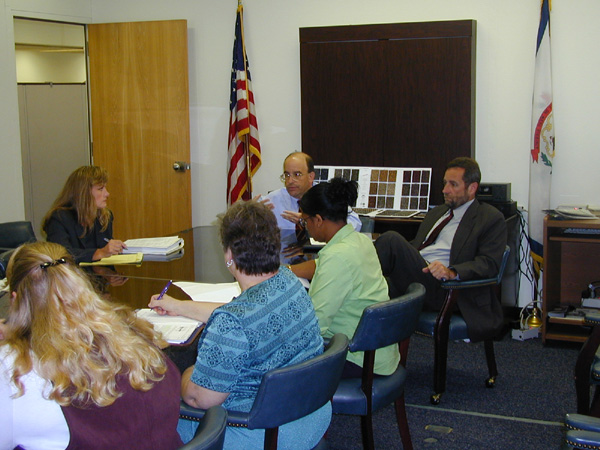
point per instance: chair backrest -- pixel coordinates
(367, 224)
(289, 393)
(390, 322)
(13, 234)
(210, 434)
(503, 264)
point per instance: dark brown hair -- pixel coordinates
(472, 172)
(249, 229)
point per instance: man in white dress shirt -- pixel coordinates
(298, 176)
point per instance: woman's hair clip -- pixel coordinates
(53, 263)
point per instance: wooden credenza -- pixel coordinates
(571, 262)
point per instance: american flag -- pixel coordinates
(244, 147)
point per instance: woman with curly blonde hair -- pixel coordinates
(79, 218)
(75, 370)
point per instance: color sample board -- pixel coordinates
(384, 187)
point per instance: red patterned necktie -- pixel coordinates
(435, 233)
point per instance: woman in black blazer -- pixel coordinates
(79, 218)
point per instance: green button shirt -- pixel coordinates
(347, 279)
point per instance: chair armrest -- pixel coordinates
(583, 439)
(582, 422)
(190, 413)
(451, 284)
(592, 318)
(211, 431)
(234, 418)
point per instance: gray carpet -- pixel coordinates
(533, 392)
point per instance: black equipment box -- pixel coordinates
(494, 192)
(506, 208)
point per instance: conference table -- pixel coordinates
(201, 260)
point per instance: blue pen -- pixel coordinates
(165, 289)
(106, 240)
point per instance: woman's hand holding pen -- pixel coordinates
(112, 247)
(167, 305)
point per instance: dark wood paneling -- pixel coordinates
(393, 95)
(411, 30)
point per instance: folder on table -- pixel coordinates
(116, 260)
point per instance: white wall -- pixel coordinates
(505, 60)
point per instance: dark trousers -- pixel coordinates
(402, 264)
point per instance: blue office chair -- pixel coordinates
(210, 434)
(582, 432)
(381, 325)
(445, 325)
(289, 393)
(587, 369)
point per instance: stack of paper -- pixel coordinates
(574, 212)
(210, 292)
(174, 329)
(154, 246)
(177, 254)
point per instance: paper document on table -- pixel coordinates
(156, 246)
(174, 329)
(116, 260)
(210, 292)
(572, 212)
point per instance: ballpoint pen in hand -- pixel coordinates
(165, 289)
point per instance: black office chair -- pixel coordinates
(13, 234)
(382, 324)
(289, 393)
(445, 325)
(587, 369)
(210, 434)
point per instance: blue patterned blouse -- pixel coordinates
(270, 325)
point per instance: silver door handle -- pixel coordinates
(181, 166)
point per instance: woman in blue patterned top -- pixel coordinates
(271, 324)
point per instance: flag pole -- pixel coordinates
(247, 136)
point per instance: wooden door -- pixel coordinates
(138, 74)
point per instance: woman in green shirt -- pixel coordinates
(347, 276)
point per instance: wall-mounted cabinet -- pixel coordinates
(389, 95)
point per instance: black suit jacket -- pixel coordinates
(64, 229)
(476, 252)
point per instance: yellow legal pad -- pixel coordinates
(115, 260)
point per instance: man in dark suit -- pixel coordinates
(461, 239)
